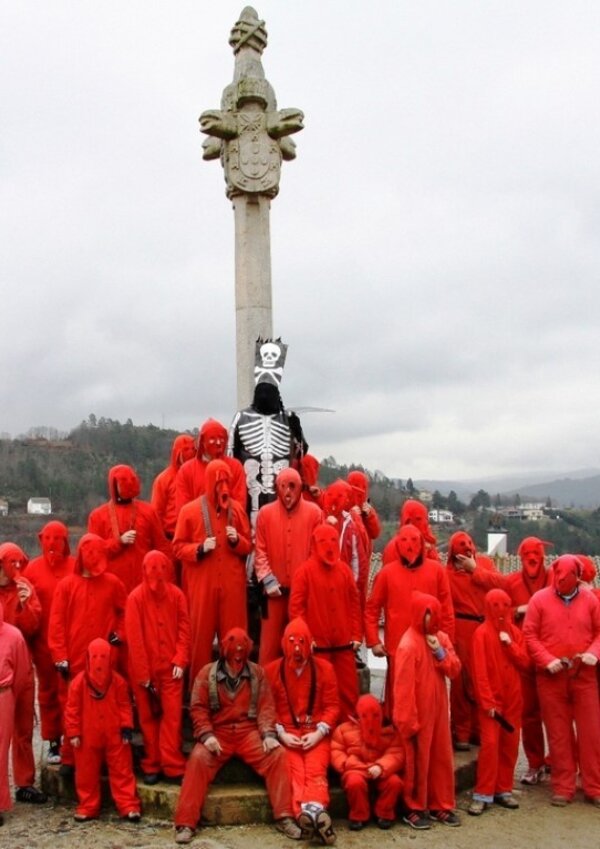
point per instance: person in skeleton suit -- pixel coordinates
(264, 437)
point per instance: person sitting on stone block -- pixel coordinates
(233, 714)
(369, 756)
(307, 706)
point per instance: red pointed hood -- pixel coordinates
(337, 498)
(567, 571)
(414, 513)
(11, 553)
(325, 544)
(212, 440)
(236, 646)
(588, 568)
(123, 483)
(422, 604)
(498, 609)
(409, 545)
(370, 720)
(54, 541)
(217, 483)
(296, 643)
(288, 484)
(91, 555)
(532, 554)
(309, 469)
(360, 486)
(183, 448)
(460, 543)
(157, 572)
(98, 669)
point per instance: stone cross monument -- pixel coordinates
(250, 136)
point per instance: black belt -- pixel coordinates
(325, 649)
(472, 617)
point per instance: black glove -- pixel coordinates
(62, 667)
(127, 735)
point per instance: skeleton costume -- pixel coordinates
(264, 437)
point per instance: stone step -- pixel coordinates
(237, 797)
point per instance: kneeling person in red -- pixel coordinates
(233, 714)
(99, 725)
(369, 756)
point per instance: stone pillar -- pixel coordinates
(253, 305)
(250, 136)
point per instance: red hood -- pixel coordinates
(211, 427)
(56, 529)
(183, 448)
(157, 572)
(337, 498)
(309, 468)
(414, 513)
(457, 544)
(498, 609)
(360, 486)
(98, 670)
(127, 478)
(10, 551)
(420, 605)
(86, 540)
(296, 642)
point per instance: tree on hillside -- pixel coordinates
(480, 499)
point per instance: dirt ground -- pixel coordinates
(535, 825)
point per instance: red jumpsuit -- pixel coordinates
(214, 580)
(241, 720)
(16, 677)
(125, 512)
(83, 608)
(391, 593)
(97, 714)
(157, 627)
(558, 628)
(163, 488)
(306, 700)
(521, 586)
(190, 482)
(325, 595)
(283, 538)
(27, 618)
(497, 669)
(468, 591)
(421, 708)
(44, 573)
(357, 747)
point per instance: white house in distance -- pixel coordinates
(3, 507)
(441, 517)
(39, 506)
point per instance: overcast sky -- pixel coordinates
(435, 245)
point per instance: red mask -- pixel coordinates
(370, 720)
(183, 449)
(414, 513)
(531, 552)
(296, 643)
(460, 543)
(310, 470)
(498, 609)
(360, 487)
(567, 572)
(337, 498)
(157, 572)
(409, 544)
(235, 649)
(212, 440)
(588, 569)
(98, 665)
(218, 478)
(426, 613)
(12, 559)
(326, 544)
(289, 488)
(91, 555)
(123, 483)
(54, 540)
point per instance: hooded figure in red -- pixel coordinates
(157, 627)
(499, 658)
(337, 501)
(470, 575)
(369, 754)
(129, 526)
(233, 714)
(309, 470)
(520, 586)
(391, 594)
(190, 482)
(44, 573)
(16, 677)
(163, 488)
(23, 610)
(99, 725)
(307, 706)
(325, 595)
(212, 540)
(88, 603)
(362, 509)
(283, 537)
(414, 513)
(562, 632)
(425, 657)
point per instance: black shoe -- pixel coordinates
(384, 824)
(133, 816)
(151, 777)
(31, 795)
(417, 819)
(356, 825)
(1, 820)
(66, 770)
(445, 817)
(506, 801)
(173, 779)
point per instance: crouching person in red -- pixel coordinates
(425, 657)
(368, 756)
(499, 659)
(233, 714)
(99, 725)
(307, 706)
(157, 626)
